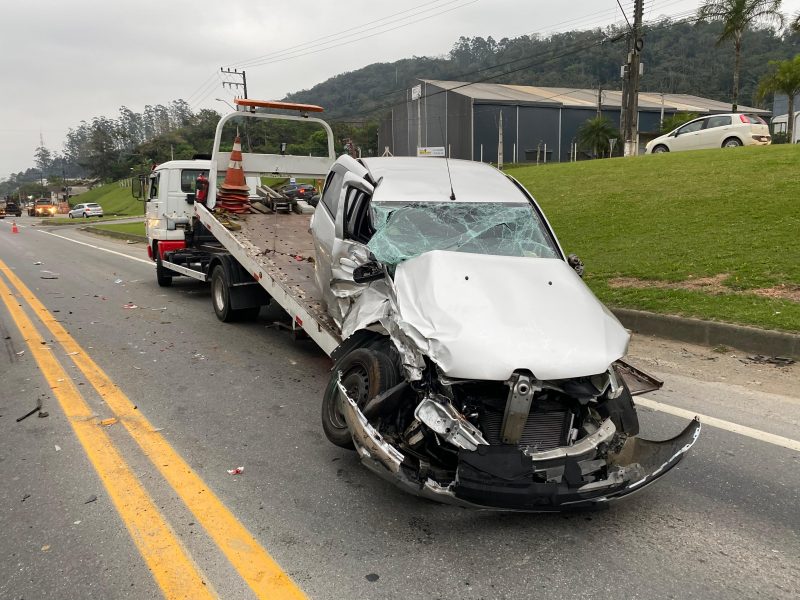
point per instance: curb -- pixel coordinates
(711, 333)
(115, 234)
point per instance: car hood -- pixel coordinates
(659, 139)
(483, 317)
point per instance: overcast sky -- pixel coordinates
(65, 61)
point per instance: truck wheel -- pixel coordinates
(163, 275)
(365, 374)
(220, 295)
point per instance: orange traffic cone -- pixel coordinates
(14, 228)
(234, 193)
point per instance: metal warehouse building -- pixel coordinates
(464, 118)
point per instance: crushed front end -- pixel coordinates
(520, 444)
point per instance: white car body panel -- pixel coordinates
(483, 317)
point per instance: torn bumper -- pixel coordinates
(506, 478)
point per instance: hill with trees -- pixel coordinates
(679, 57)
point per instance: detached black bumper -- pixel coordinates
(502, 476)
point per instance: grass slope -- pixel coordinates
(129, 228)
(114, 199)
(675, 217)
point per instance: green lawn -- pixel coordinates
(674, 217)
(114, 199)
(129, 228)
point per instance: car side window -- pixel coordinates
(357, 223)
(720, 121)
(691, 127)
(330, 195)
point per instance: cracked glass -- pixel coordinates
(403, 231)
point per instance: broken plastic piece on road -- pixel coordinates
(91, 499)
(58, 448)
(25, 497)
(21, 352)
(129, 305)
(38, 262)
(108, 422)
(118, 281)
(236, 471)
(43, 414)
(779, 361)
(71, 353)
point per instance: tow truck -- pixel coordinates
(471, 364)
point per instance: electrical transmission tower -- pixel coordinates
(235, 84)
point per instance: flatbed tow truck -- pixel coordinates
(256, 258)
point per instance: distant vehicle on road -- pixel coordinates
(715, 131)
(298, 191)
(43, 207)
(86, 210)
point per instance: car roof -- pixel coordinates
(426, 179)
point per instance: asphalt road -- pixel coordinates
(724, 524)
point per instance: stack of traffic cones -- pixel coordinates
(234, 193)
(14, 228)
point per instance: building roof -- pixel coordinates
(582, 98)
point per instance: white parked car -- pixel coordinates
(715, 131)
(90, 209)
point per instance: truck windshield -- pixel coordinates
(403, 231)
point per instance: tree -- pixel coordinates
(795, 25)
(736, 16)
(594, 135)
(784, 77)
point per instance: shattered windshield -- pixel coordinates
(403, 231)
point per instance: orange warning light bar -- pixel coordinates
(275, 104)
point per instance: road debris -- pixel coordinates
(46, 548)
(236, 471)
(48, 275)
(372, 577)
(37, 409)
(25, 497)
(118, 281)
(91, 499)
(58, 448)
(21, 352)
(760, 359)
(43, 414)
(38, 262)
(129, 305)
(108, 422)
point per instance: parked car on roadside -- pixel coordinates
(86, 210)
(714, 131)
(298, 191)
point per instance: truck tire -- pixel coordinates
(163, 275)
(221, 299)
(365, 374)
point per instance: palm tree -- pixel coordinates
(594, 135)
(784, 77)
(736, 16)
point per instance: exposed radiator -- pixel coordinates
(544, 430)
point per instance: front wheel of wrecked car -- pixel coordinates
(365, 373)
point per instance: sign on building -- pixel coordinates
(430, 151)
(416, 92)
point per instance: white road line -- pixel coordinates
(141, 260)
(756, 434)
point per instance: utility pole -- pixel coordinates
(235, 84)
(599, 101)
(630, 100)
(500, 143)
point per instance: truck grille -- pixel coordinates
(544, 430)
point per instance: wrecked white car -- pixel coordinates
(477, 368)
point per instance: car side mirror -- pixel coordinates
(190, 198)
(576, 263)
(371, 271)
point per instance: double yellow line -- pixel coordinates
(172, 567)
